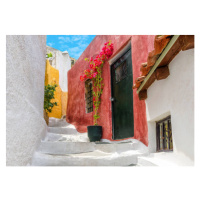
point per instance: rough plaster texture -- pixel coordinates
(76, 111)
(174, 96)
(62, 62)
(52, 77)
(64, 98)
(25, 73)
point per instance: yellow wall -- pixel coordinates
(52, 77)
(64, 98)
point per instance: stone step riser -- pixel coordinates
(62, 148)
(120, 147)
(57, 122)
(54, 137)
(62, 130)
(85, 161)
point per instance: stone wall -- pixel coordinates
(25, 73)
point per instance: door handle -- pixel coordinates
(112, 99)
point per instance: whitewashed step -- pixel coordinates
(163, 159)
(143, 161)
(120, 147)
(62, 148)
(62, 130)
(78, 137)
(54, 122)
(95, 158)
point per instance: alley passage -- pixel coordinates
(64, 146)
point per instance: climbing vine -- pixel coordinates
(95, 74)
(49, 91)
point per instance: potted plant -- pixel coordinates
(48, 104)
(95, 74)
(49, 55)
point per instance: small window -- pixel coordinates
(72, 62)
(121, 72)
(164, 135)
(88, 96)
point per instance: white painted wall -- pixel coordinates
(25, 74)
(62, 62)
(174, 96)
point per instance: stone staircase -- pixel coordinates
(64, 146)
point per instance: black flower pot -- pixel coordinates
(94, 133)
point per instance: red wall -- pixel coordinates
(76, 111)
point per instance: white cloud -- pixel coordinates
(64, 46)
(72, 38)
(50, 44)
(75, 49)
(74, 44)
(76, 55)
(64, 39)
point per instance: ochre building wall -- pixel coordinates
(141, 45)
(52, 77)
(64, 98)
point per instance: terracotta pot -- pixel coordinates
(160, 43)
(144, 70)
(136, 85)
(152, 57)
(140, 79)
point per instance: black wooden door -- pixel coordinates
(122, 97)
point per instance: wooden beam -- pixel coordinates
(161, 57)
(188, 42)
(162, 72)
(142, 95)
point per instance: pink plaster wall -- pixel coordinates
(76, 111)
(141, 45)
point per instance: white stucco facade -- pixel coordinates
(62, 62)
(174, 96)
(25, 74)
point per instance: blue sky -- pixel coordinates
(74, 44)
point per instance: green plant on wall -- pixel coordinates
(49, 55)
(95, 74)
(48, 96)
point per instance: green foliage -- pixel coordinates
(48, 96)
(50, 55)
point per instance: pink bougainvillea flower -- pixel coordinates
(94, 75)
(81, 78)
(91, 66)
(95, 68)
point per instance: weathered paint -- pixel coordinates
(25, 73)
(76, 111)
(141, 45)
(52, 77)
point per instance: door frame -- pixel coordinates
(111, 62)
